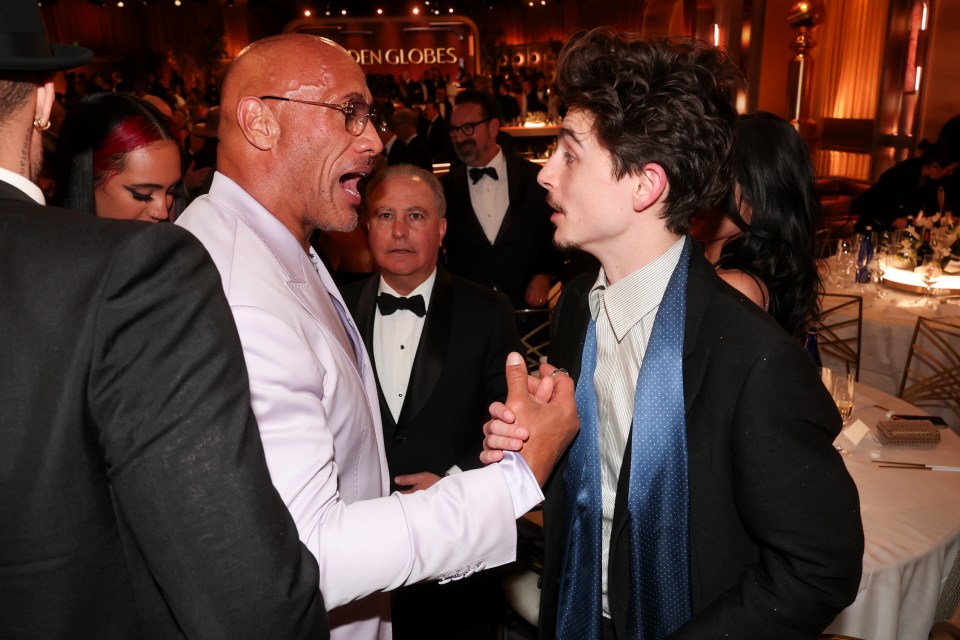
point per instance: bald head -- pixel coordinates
(296, 158)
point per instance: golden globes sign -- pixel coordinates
(398, 45)
(431, 56)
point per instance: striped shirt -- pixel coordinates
(624, 313)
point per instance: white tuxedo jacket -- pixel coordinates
(320, 425)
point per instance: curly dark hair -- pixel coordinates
(664, 101)
(778, 246)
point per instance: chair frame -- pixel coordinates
(830, 338)
(936, 347)
(536, 340)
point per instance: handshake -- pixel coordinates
(539, 418)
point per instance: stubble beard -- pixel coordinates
(561, 243)
(343, 224)
(467, 157)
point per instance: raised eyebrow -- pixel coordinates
(569, 134)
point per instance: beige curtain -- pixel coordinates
(847, 72)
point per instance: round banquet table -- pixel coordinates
(911, 524)
(887, 331)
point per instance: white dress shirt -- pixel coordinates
(21, 183)
(395, 341)
(490, 198)
(624, 313)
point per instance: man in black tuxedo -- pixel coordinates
(433, 127)
(404, 123)
(499, 231)
(443, 101)
(395, 151)
(438, 342)
(702, 497)
(135, 495)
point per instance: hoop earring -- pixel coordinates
(39, 126)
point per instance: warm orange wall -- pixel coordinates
(771, 90)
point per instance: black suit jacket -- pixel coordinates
(534, 103)
(524, 245)
(776, 542)
(400, 153)
(420, 153)
(437, 135)
(457, 372)
(134, 493)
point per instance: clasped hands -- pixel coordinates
(539, 418)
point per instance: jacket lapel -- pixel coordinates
(365, 314)
(460, 192)
(516, 186)
(701, 286)
(434, 338)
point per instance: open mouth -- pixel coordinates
(350, 182)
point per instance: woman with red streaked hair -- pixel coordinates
(116, 158)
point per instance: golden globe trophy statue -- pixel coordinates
(804, 17)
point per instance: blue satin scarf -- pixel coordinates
(658, 497)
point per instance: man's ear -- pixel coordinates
(44, 105)
(651, 188)
(258, 123)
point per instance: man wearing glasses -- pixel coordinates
(498, 222)
(294, 144)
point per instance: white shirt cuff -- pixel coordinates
(523, 485)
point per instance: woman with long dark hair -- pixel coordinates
(116, 158)
(763, 242)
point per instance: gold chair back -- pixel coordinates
(931, 376)
(839, 329)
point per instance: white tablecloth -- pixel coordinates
(911, 523)
(886, 332)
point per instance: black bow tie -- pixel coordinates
(389, 304)
(478, 172)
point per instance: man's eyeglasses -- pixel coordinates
(466, 128)
(355, 113)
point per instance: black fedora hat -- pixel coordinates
(24, 45)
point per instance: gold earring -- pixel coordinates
(39, 126)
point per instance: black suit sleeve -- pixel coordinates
(169, 395)
(797, 502)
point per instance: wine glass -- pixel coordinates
(931, 272)
(846, 261)
(881, 263)
(844, 393)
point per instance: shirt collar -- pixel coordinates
(424, 289)
(21, 183)
(636, 295)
